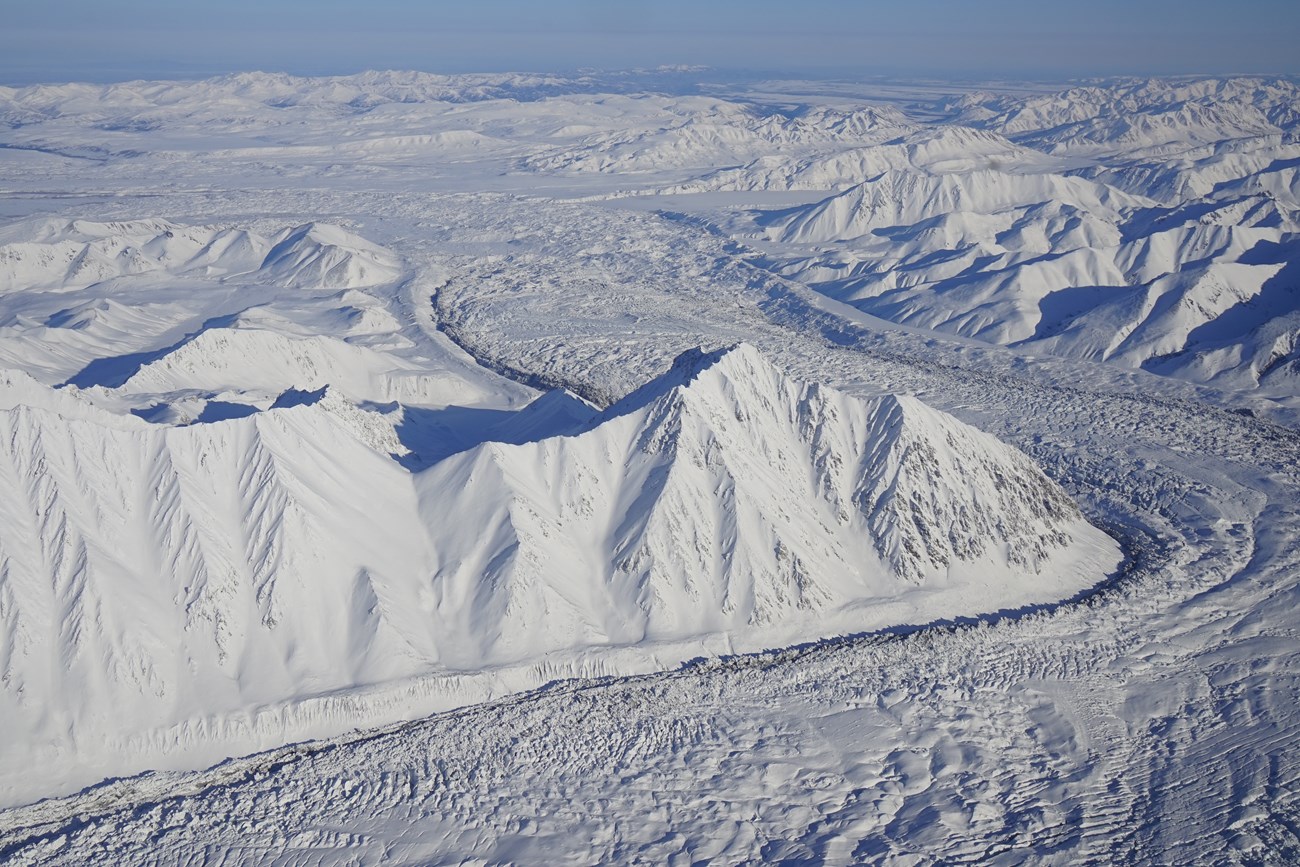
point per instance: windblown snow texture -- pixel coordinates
(337, 409)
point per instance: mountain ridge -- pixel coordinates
(289, 553)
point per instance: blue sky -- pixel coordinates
(60, 40)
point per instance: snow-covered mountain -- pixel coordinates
(725, 496)
(940, 150)
(153, 574)
(1151, 224)
(1056, 264)
(262, 361)
(274, 466)
(717, 132)
(50, 253)
(1141, 114)
(907, 198)
(140, 309)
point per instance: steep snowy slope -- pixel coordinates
(328, 256)
(1145, 222)
(727, 497)
(1259, 166)
(906, 198)
(152, 575)
(1202, 290)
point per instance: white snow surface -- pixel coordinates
(170, 575)
(443, 419)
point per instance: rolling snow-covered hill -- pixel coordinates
(75, 254)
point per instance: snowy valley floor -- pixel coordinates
(1152, 723)
(1152, 720)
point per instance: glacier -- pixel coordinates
(419, 468)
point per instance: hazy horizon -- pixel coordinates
(74, 40)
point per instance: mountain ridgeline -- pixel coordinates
(152, 573)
